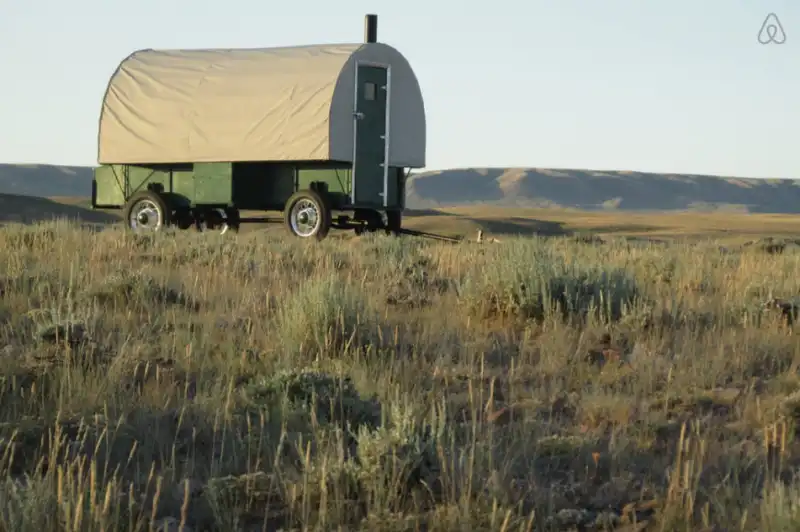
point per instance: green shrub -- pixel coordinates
(530, 280)
(326, 315)
(400, 459)
(136, 289)
(313, 394)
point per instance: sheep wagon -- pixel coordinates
(325, 133)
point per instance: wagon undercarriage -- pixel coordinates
(310, 200)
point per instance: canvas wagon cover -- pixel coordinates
(273, 104)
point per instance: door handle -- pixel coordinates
(358, 115)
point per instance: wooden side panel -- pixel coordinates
(108, 189)
(145, 177)
(213, 183)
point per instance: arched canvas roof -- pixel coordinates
(270, 104)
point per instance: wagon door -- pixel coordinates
(371, 137)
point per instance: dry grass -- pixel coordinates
(560, 221)
(251, 382)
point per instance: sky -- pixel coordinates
(672, 86)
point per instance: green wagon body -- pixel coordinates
(261, 186)
(197, 132)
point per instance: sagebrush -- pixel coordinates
(253, 382)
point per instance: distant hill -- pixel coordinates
(606, 190)
(29, 209)
(45, 180)
(510, 187)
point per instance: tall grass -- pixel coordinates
(253, 382)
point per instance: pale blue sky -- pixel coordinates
(668, 86)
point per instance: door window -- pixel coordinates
(369, 91)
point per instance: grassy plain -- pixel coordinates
(497, 221)
(252, 382)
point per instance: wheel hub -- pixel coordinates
(146, 216)
(305, 219)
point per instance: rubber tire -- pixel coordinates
(322, 207)
(155, 197)
(394, 222)
(182, 219)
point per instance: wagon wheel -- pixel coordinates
(307, 215)
(182, 218)
(147, 211)
(221, 220)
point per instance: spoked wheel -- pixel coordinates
(222, 220)
(307, 215)
(147, 212)
(182, 218)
